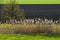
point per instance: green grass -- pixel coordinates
(32, 1)
(29, 37)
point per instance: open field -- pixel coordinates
(32, 1)
(28, 28)
(29, 37)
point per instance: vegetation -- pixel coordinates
(24, 31)
(29, 37)
(25, 28)
(11, 11)
(32, 1)
(29, 28)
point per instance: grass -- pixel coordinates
(29, 37)
(32, 27)
(32, 1)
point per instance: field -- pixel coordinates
(30, 28)
(28, 32)
(29, 37)
(32, 1)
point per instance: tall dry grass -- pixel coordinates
(30, 28)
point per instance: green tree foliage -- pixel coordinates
(12, 11)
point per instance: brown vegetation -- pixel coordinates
(30, 28)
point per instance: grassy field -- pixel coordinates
(29, 37)
(32, 1)
(7, 28)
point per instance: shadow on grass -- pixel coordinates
(43, 35)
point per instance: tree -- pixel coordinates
(12, 11)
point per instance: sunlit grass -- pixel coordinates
(31, 2)
(25, 27)
(29, 37)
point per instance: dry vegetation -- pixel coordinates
(30, 28)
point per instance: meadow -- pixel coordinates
(29, 37)
(29, 32)
(31, 1)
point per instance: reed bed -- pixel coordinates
(29, 28)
